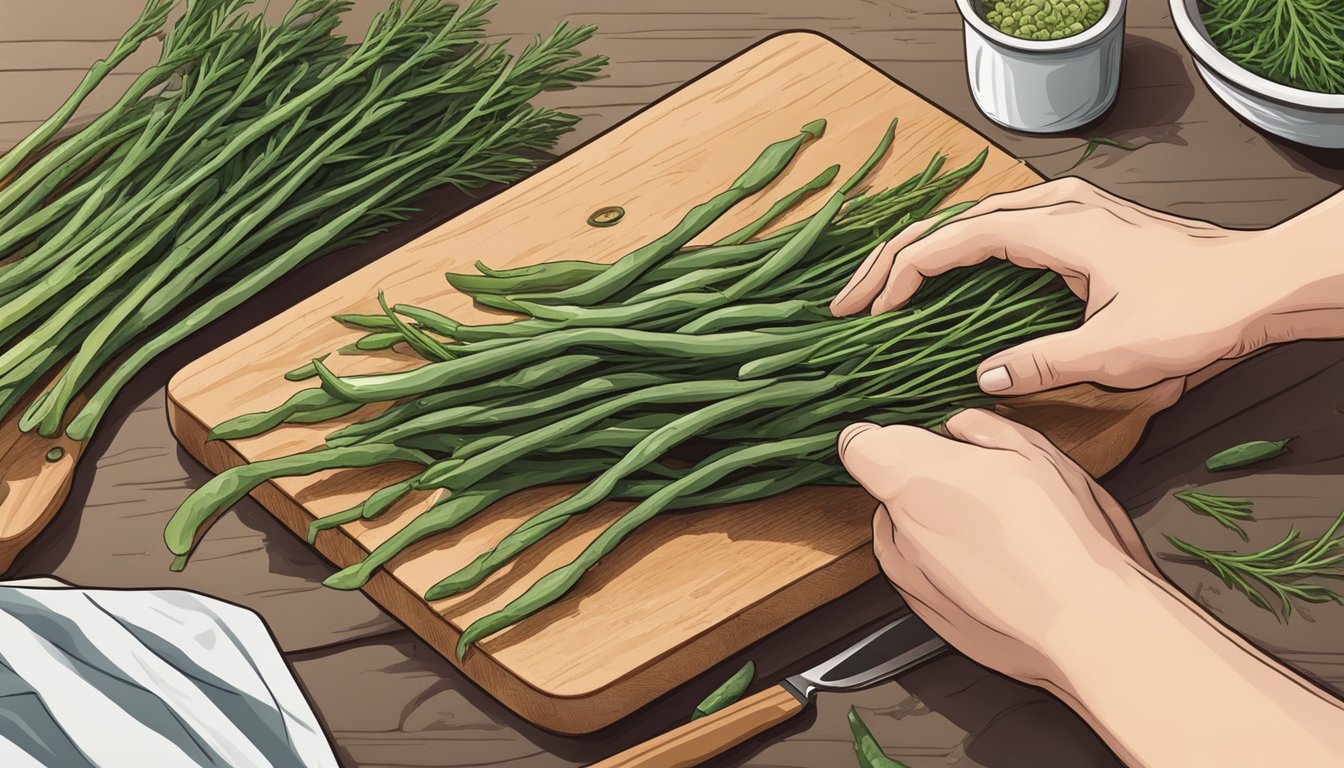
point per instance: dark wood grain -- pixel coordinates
(390, 701)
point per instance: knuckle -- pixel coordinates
(995, 200)
(915, 253)
(1072, 186)
(1046, 370)
(971, 419)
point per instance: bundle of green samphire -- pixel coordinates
(677, 377)
(247, 150)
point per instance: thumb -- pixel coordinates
(883, 459)
(1082, 354)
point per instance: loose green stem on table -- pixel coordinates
(1282, 570)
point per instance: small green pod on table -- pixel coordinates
(1239, 456)
(870, 754)
(728, 693)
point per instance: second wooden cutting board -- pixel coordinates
(687, 591)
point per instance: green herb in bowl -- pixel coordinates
(1044, 19)
(1294, 43)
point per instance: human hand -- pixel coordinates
(991, 534)
(1017, 558)
(1165, 296)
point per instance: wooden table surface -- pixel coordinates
(388, 700)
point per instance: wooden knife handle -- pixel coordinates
(703, 738)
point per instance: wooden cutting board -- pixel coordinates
(687, 590)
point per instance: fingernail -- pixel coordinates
(942, 423)
(848, 434)
(996, 379)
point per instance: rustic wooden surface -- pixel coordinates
(389, 700)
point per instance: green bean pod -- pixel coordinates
(865, 746)
(728, 693)
(746, 316)
(250, 424)
(1253, 452)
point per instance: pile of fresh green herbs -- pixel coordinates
(678, 377)
(1298, 43)
(247, 150)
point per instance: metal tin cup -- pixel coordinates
(1044, 86)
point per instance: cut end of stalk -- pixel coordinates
(302, 373)
(335, 520)
(453, 585)
(347, 579)
(815, 129)
(501, 302)
(179, 563)
(33, 416)
(473, 285)
(330, 381)
(475, 631)
(246, 425)
(82, 426)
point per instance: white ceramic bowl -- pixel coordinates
(1044, 86)
(1307, 117)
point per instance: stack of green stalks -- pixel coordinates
(247, 150)
(678, 377)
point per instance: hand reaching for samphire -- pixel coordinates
(1165, 296)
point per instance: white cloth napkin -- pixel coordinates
(145, 679)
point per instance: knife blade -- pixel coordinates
(893, 648)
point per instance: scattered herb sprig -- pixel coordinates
(1228, 511)
(1281, 570)
(1101, 141)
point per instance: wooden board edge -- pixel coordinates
(33, 489)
